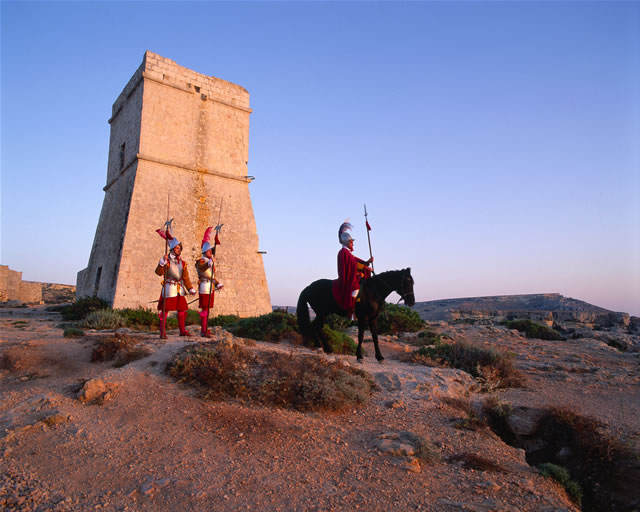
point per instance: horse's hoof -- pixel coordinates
(381, 361)
(359, 361)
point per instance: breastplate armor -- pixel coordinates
(175, 270)
(205, 277)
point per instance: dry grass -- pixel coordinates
(300, 382)
(493, 369)
(477, 462)
(120, 348)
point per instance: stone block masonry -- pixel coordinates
(180, 135)
(13, 288)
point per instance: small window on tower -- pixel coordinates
(96, 286)
(197, 88)
(122, 148)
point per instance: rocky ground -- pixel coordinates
(76, 435)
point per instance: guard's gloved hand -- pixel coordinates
(163, 261)
(192, 291)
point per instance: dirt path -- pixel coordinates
(155, 446)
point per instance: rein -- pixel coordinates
(391, 288)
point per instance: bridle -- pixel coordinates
(402, 292)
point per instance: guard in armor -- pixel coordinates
(350, 271)
(208, 283)
(175, 286)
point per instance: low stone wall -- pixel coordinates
(13, 288)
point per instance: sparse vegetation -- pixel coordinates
(103, 319)
(427, 337)
(304, 383)
(395, 319)
(73, 332)
(270, 327)
(424, 450)
(533, 329)
(477, 462)
(121, 349)
(81, 308)
(617, 344)
(493, 369)
(140, 318)
(223, 320)
(339, 323)
(340, 342)
(561, 475)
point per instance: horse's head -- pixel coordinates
(405, 288)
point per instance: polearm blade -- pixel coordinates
(366, 221)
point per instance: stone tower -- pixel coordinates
(178, 130)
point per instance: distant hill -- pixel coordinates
(543, 306)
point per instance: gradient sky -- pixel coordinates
(496, 144)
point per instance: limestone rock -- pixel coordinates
(96, 391)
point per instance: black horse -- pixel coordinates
(373, 292)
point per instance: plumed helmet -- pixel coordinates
(206, 239)
(343, 233)
(168, 236)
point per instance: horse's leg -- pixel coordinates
(362, 324)
(325, 344)
(315, 332)
(373, 326)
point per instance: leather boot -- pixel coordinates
(182, 315)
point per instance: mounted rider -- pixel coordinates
(350, 271)
(207, 281)
(175, 286)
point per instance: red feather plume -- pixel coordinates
(207, 236)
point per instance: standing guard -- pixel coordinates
(207, 281)
(174, 284)
(350, 271)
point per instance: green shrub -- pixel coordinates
(81, 308)
(304, 383)
(140, 318)
(339, 323)
(533, 330)
(73, 332)
(103, 319)
(561, 475)
(223, 320)
(340, 342)
(121, 349)
(492, 368)
(395, 319)
(427, 337)
(270, 327)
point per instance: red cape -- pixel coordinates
(347, 280)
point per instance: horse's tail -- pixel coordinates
(302, 311)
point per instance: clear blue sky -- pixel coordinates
(496, 144)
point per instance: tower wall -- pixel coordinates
(186, 138)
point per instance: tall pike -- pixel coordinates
(366, 221)
(215, 246)
(167, 228)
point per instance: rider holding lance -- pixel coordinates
(208, 284)
(350, 271)
(174, 285)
